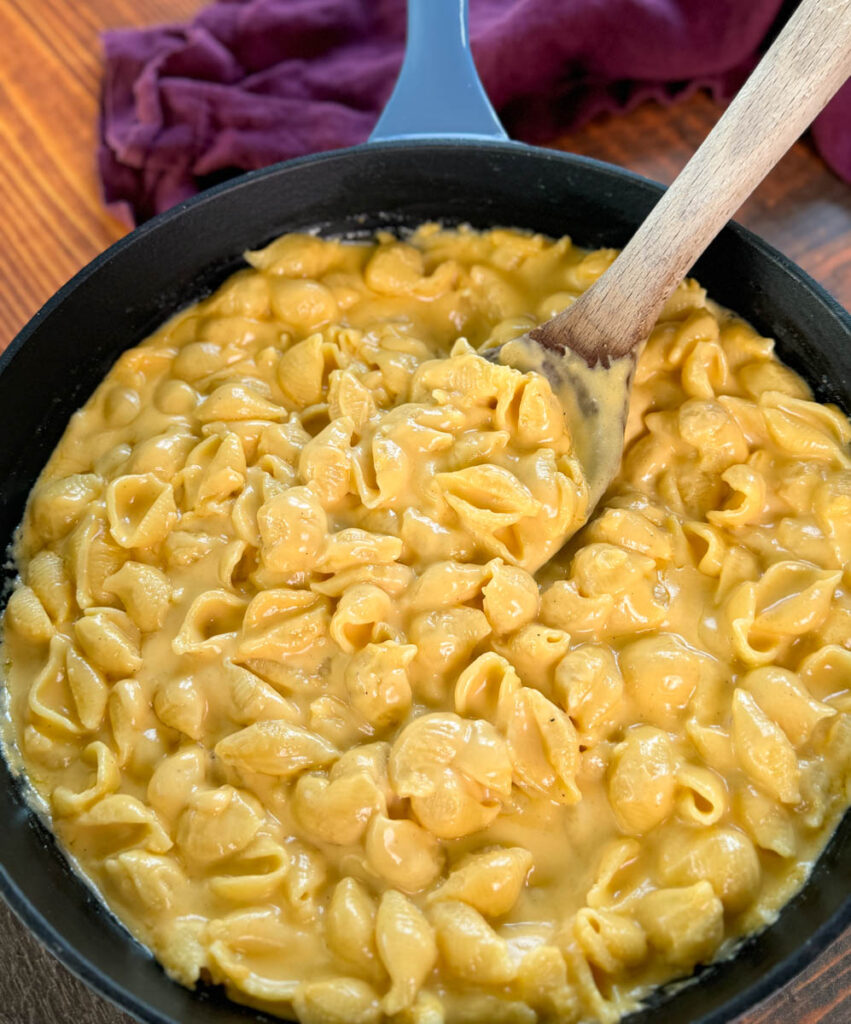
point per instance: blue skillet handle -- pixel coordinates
(438, 92)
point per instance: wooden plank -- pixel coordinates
(801, 207)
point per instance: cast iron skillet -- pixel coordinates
(457, 166)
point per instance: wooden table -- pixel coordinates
(52, 222)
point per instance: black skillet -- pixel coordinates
(438, 152)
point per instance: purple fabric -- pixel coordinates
(251, 82)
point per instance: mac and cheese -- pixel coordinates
(279, 672)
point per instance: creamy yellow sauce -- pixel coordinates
(278, 669)
(595, 404)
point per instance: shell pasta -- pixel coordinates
(281, 672)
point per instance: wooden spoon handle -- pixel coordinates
(806, 65)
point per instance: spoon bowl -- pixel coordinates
(595, 401)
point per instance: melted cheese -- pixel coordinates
(279, 671)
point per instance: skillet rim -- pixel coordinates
(601, 167)
(26, 912)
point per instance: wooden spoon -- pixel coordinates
(588, 352)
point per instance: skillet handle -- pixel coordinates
(438, 92)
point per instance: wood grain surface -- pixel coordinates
(803, 69)
(52, 222)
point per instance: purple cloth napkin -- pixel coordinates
(251, 82)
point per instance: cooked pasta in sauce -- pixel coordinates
(279, 674)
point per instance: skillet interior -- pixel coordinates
(58, 359)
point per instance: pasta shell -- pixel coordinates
(714, 745)
(217, 824)
(589, 686)
(708, 427)
(617, 857)
(753, 647)
(161, 455)
(534, 650)
(295, 255)
(181, 705)
(490, 881)
(175, 779)
(392, 578)
(141, 510)
(360, 609)
(110, 639)
(445, 640)
(305, 881)
(336, 812)
(67, 803)
(486, 688)
(832, 508)
(337, 1001)
(350, 928)
(88, 687)
(542, 983)
(56, 505)
(707, 545)
(446, 583)
(377, 683)
(630, 529)
(565, 608)
(806, 429)
(511, 598)
(406, 946)
(275, 748)
(47, 576)
(723, 856)
(661, 674)
(303, 371)
(543, 747)
(402, 853)
(293, 527)
(532, 414)
(470, 948)
(213, 619)
(252, 699)
(642, 779)
(26, 616)
(347, 396)
(145, 879)
(763, 750)
(456, 772)
(793, 598)
(258, 870)
(215, 470)
(93, 556)
(487, 498)
(303, 304)
(119, 822)
(144, 591)
(748, 502)
(609, 940)
(325, 462)
(125, 706)
(686, 924)
(354, 547)
(241, 945)
(783, 698)
(238, 402)
(283, 623)
(703, 796)
(826, 672)
(766, 822)
(183, 548)
(705, 369)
